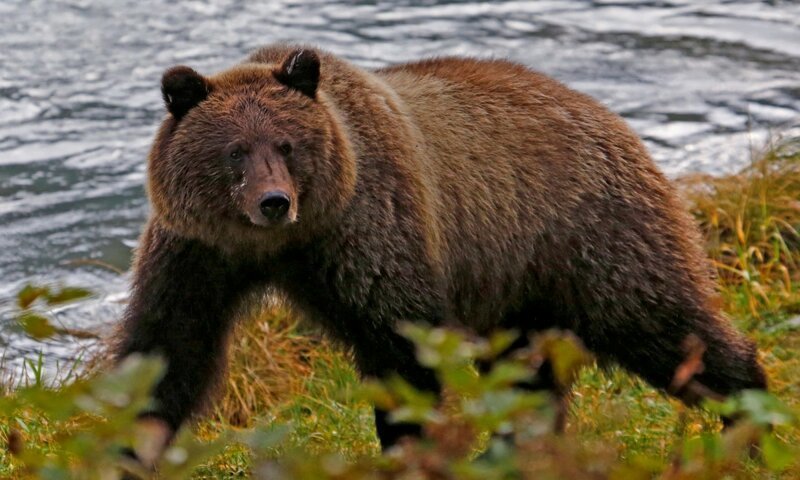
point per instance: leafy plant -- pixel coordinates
(38, 324)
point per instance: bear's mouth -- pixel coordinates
(261, 223)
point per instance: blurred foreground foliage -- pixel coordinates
(293, 407)
(88, 423)
(81, 430)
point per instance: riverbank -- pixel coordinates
(282, 373)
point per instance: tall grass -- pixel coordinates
(751, 221)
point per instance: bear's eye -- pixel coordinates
(236, 154)
(285, 148)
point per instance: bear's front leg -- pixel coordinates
(381, 355)
(184, 297)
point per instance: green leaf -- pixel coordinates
(761, 407)
(66, 294)
(35, 325)
(507, 374)
(131, 382)
(707, 445)
(29, 294)
(376, 393)
(777, 454)
(565, 353)
(500, 341)
(461, 380)
(186, 453)
(262, 439)
(414, 405)
(765, 409)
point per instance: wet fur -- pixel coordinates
(448, 191)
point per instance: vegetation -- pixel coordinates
(292, 406)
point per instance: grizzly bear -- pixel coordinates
(450, 191)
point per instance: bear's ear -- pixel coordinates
(300, 71)
(183, 89)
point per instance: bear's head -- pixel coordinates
(256, 154)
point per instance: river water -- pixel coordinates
(701, 81)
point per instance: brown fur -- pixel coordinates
(448, 191)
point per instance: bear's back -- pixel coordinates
(514, 176)
(521, 163)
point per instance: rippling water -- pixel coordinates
(79, 102)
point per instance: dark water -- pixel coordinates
(701, 81)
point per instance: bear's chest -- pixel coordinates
(335, 289)
(343, 289)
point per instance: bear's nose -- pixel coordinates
(274, 205)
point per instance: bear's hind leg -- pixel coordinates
(729, 360)
(635, 286)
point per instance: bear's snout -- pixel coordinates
(274, 205)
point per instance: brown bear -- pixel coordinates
(449, 191)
